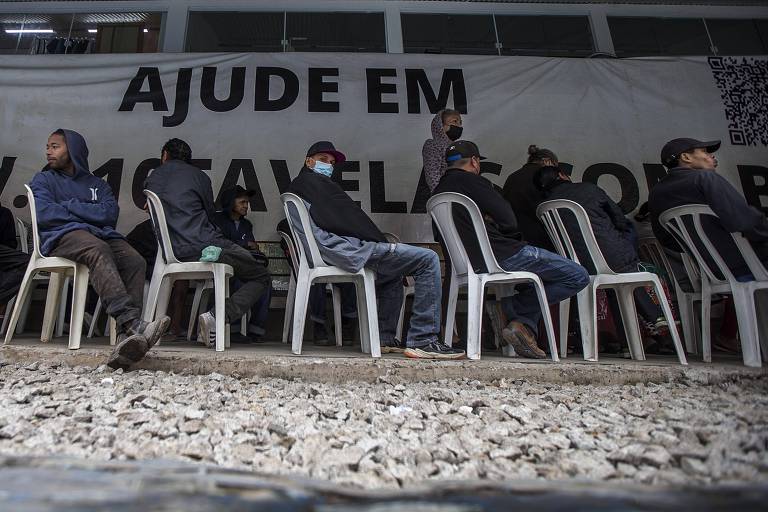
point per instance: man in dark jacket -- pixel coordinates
(523, 196)
(13, 262)
(692, 179)
(562, 278)
(76, 216)
(348, 239)
(187, 197)
(235, 227)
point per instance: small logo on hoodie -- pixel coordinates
(94, 195)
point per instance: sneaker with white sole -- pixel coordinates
(206, 329)
(435, 350)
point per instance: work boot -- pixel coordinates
(135, 342)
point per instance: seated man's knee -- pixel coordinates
(580, 277)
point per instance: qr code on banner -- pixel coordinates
(743, 84)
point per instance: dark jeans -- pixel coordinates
(561, 277)
(318, 295)
(13, 264)
(254, 280)
(117, 271)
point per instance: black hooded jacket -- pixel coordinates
(240, 232)
(332, 209)
(524, 197)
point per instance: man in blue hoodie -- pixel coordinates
(76, 216)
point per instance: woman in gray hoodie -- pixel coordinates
(446, 128)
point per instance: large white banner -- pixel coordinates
(250, 118)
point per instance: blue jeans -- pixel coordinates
(318, 296)
(392, 262)
(561, 277)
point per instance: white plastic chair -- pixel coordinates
(290, 298)
(440, 206)
(409, 288)
(649, 249)
(622, 283)
(59, 268)
(319, 271)
(684, 223)
(169, 269)
(198, 304)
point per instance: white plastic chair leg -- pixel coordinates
(195, 309)
(450, 320)
(289, 304)
(474, 317)
(336, 299)
(62, 314)
(79, 293)
(743, 300)
(300, 314)
(15, 312)
(706, 313)
(52, 299)
(153, 292)
(761, 304)
(368, 313)
(7, 315)
(587, 306)
(401, 318)
(362, 316)
(220, 292)
(25, 308)
(564, 310)
(670, 321)
(94, 319)
(688, 322)
(629, 318)
(548, 328)
(244, 324)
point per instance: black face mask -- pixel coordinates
(454, 132)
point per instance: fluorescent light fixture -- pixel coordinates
(29, 31)
(92, 30)
(146, 30)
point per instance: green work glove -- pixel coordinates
(211, 254)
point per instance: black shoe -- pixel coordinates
(394, 346)
(320, 335)
(435, 350)
(141, 336)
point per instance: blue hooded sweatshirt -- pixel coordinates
(68, 203)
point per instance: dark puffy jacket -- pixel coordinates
(615, 234)
(523, 196)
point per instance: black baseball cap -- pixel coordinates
(462, 149)
(324, 146)
(240, 191)
(674, 148)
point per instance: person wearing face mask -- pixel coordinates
(562, 278)
(446, 128)
(692, 179)
(348, 238)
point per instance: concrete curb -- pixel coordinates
(338, 369)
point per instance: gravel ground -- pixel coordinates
(392, 435)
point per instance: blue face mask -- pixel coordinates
(323, 168)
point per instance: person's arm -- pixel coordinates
(50, 214)
(102, 212)
(432, 165)
(736, 215)
(250, 240)
(613, 211)
(493, 206)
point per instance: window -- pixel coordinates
(738, 37)
(447, 33)
(292, 31)
(638, 37)
(235, 32)
(79, 33)
(555, 36)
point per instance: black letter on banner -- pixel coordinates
(139, 177)
(317, 87)
(376, 89)
(752, 191)
(208, 90)
(417, 78)
(290, 92)
(154, 95)
(421, 196)
(347, 185)
(654, 173)
(113, 170)
(379, 203)
(630, 194)
(182, 99)
(204, 164)
(251, 182)
(282, 176)
(5, 171)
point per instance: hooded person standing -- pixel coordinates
(446, 128)
(76, 216)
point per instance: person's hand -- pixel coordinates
(253, 246)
